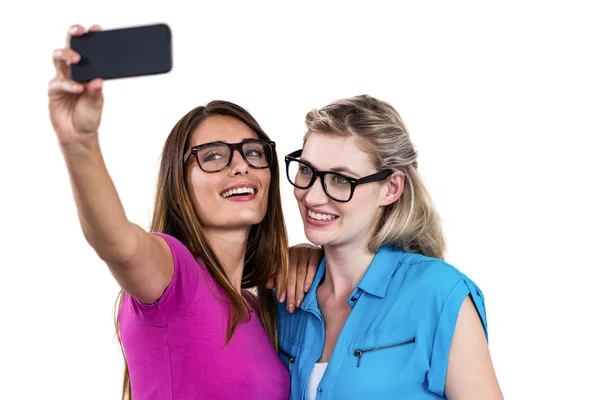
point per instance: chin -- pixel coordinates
(243, 215)
(244, 220)
(318, 238)
(252, 218)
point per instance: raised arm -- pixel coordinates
(140, 262)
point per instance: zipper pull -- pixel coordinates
(358, 353)
(292, 359)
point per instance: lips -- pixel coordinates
(239, 190)
(320, 215)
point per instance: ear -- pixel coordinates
(394, 188)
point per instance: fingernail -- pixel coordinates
(57, 53)
(290, 307)
(298, 303)
(281, 299)
(306, 287)
(73, 30)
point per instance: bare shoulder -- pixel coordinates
(148, 271)
(471, 373)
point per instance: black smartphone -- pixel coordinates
(122, 53)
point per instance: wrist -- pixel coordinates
(81, 147)
(81, 143)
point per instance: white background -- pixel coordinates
(501, 100)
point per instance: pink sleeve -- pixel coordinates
(178, 296)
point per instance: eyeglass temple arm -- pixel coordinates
(375, 177)
(187, 155)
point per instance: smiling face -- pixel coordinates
(236, 197)
(331, 223)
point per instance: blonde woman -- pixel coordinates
(386, 317)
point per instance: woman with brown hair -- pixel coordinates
(189, 327)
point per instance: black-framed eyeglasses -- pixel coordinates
(216, 156)
(338, 187)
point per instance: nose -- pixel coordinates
(315, 195)
(238, 166)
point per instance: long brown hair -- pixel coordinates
(266, 249)
(411, 223)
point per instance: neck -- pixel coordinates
(230, 248)
(345, 267)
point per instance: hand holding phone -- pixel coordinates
(75, 92)
(75, 108)
(122, 53)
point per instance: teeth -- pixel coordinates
(238, 191)
(321, 217)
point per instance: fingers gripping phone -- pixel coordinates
(122, 53)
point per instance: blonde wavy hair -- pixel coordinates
(411, 223)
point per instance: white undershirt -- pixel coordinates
(314, 378)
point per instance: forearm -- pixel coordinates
(103, 219)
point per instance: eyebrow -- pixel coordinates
(342, 170)
(224, 142)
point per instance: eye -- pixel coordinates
(254, 152)
(304, 170)
(340, 180)
(212, 156)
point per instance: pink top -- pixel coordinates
(175, 348)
